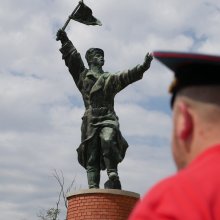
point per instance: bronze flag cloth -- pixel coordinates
(84, 15)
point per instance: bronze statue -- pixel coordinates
(102, 144)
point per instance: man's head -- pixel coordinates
(196, 122)
(95, 56)
(195, 102)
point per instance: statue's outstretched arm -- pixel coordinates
(121, 80)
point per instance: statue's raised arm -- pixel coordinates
(71, 56)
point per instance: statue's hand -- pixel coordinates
(147, 60)
(62, 36)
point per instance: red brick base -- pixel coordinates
(101, 204)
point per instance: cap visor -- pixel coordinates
(176, 60)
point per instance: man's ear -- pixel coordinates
(185, 122)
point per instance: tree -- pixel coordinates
(50, 214)
(53, 213)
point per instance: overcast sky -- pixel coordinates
(41, 109)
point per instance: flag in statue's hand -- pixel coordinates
(84, 15)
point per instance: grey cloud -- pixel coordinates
(41, 109)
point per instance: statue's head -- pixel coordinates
(95, 56)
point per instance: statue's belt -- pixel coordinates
(99, 111)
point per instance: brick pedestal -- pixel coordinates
(101, 204)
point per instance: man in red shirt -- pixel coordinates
(194, 192)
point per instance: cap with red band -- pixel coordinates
(190, 69)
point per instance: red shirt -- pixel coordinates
(191, 194)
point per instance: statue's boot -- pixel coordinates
(93, 179)
(113, 182)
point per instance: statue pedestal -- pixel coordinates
(103, 204)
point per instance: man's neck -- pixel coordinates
(96, 69)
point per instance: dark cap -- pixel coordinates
(190, 69)
(92, 51)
